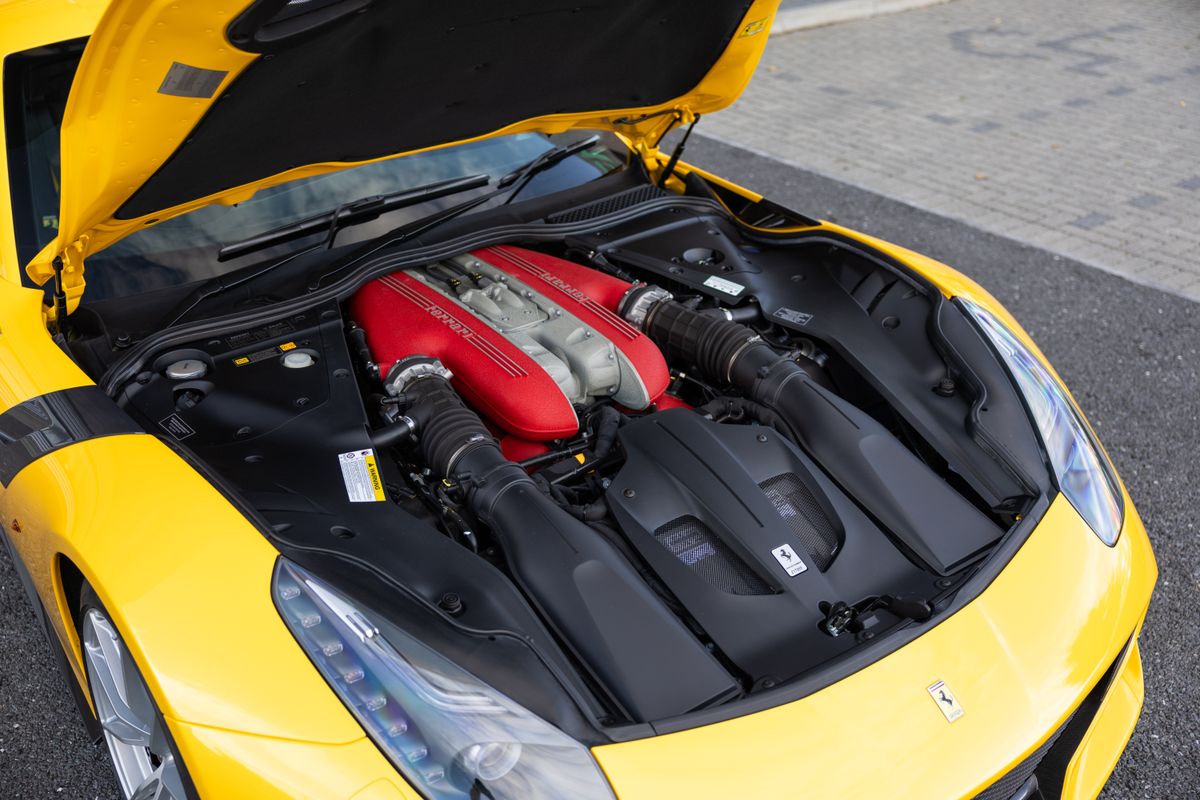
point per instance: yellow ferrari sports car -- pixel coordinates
(387, 410)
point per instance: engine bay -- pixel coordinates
(660, 466)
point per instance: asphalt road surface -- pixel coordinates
(1128, 352)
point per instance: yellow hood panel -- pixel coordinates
(154, 69)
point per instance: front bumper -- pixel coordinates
(1057, 626)
(1021, 658)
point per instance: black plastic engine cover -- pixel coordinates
(751, 537)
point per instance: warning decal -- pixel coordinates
(262, 355)
(175, 426)
(793, 316)
(722, 285)
(360, 473)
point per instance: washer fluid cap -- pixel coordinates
(298, 359)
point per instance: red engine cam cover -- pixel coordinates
(403, 316)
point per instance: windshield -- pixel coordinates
(183, 250)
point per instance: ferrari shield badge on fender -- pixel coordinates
(946, 701)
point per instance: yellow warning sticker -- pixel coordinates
(360, 473)
(264, 354)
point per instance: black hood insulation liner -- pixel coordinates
(402, 76)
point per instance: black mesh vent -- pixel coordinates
(1049, 762)
(694, 543)
(618, 201)
(803, 514)
(1015, 778)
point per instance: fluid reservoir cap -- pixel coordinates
(298, 359)
(189, 369)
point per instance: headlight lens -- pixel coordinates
(1083, 472)
(450, 735)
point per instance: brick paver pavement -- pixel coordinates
(1072, 126)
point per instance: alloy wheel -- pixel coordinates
(134, 731)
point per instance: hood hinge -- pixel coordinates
(65, 268)
(645, 134)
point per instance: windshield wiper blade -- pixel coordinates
(510, 184)
(522, 175)
(358, 211)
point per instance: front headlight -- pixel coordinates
(449, 734)
(1083, 472)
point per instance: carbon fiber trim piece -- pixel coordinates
(41, 425)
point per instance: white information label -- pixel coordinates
(788, 559)
(722, 285)
(360, 473)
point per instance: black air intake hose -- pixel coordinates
(908, 498)
(590, 594)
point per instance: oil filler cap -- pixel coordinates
(298, 359)
(189, 369)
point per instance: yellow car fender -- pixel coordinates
(185, 576)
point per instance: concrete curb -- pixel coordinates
(834, 11)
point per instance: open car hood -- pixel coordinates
(178, 105)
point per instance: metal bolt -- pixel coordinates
(629, 493)
(945, 387)
(587, 334)
(451, 603)
(762, 437)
